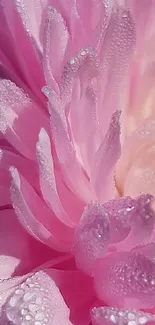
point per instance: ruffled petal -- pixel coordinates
(126, 216)
(126, 280)
(112, 315)
(92, 237)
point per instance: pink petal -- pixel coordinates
(105, 160)
(36, 300)
(126, 280)
(126, 216)
(143, 218)
(19, 252)
(27, 67)
(71, 203)
(78, 292)
(32, 22)
(117, 48)
(7, 287)
(142, 15)
(16, 112)
(26, 167)
(5, 199)
(47, 178)
(54, 46)
(14, 245)
(120, 214)
(92, 237)
(83, 108)
(36, 217)
(112, 315)
(74, 176)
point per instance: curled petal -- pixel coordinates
(92, 237)
(112, 315)
(126, 280)
(126, 216)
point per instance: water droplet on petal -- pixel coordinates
(92, 237)
(112, 315)
(127, 280)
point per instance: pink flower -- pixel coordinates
(77, 224)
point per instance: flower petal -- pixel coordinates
(126, 216)
(14, 245)
(32, 22)
(92, 237)
(37, 300)
(126, 280)
(36, 217)
(75, 177)
(16, 112)
(54, 46)
(19, 252)
(105, 160)
(112, 315)
(47, 178)
(27, 67)
(117, 48)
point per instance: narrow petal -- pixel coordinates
(16, 112)
(32, 23)
(47, 178)
(65, 149)
(36, 217)
(116, 51)
(112, 315)
(105, 160)
(128, 281)
(83, 108)
(54, 46)
(92, 237)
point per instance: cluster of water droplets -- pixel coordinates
(121, 316)
(29, 304)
